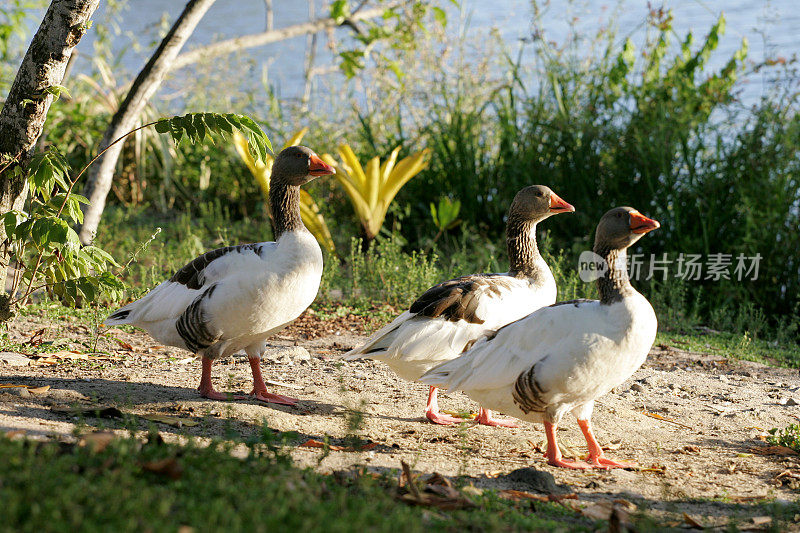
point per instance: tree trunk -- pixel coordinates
(147, 82)
(25, 110)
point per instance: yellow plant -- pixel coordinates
(372, 188)
(309, 210)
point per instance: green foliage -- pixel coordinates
(46, 249)
(384, 273)
(788, 436)
(396, 30)
(196, 126)
(445, 216)
(159, 486)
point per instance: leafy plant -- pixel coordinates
(41, 241)
(788, 436)
(261, 169)
(445, 217)
(373, 188)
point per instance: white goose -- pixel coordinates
(234, 298)
(561, 358)
(450, 316)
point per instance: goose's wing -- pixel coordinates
(449, 315)
(171, 298)
(499, 359)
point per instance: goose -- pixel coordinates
(561, 358)
(453, 314)
(233, 298)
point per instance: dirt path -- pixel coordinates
(716, 410)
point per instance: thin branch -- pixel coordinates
(259, 39)
(39, 258)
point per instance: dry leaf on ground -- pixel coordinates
(97, 441)
(171, 420)
(169, 467)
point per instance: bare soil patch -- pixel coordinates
(693, 422)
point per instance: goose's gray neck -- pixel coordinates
(615, 284)
(523, 252)
(284, 203)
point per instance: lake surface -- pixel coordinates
(771, 27)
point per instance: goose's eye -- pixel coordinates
(298, 155)
(619, 215)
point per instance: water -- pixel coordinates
(770, 27)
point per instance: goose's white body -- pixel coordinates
(246, 295)
(558, 359)
(412, 344)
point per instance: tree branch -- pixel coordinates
(259, 39)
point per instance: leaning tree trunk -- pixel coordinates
(25, 110)
(147, 82)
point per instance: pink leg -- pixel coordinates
(554, 454)
(432, 411)
(260, 388)
(596, 457)
(485, 417)
(207, 389)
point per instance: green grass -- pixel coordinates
(59, 487)
(734, 345)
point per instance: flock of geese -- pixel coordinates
(500, 338)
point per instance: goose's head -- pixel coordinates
(537, 202)
(297, 165)
(621, 227)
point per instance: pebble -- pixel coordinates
(287, 355)
(14, 359)
(787, 401)
(724, 379)
(638, 387)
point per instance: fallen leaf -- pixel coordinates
(169, 467)
(692, 521)
(437, 479)
(744, 455)
(472, 490)
(171, 420)
(658, 469)
(14, 433)
(761, 520)
(97, 441)
(368, 446)
(690, 449)
(518, 495)
(773, 450)
(312, 443)
(39, 391)
(282, 384)
(10, 386)
(665, 419)
(124, 345)
(615, 444)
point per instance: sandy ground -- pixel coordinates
(714, 413)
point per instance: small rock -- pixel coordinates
(787, 401)
(724, 378)
(14, 359)
(22, 392)
(653, 381)
(638, 387)
(535, 480)
(289, 354)
(359, 375)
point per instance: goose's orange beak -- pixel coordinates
(318, 167)
(642, 224)
(557, 205)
